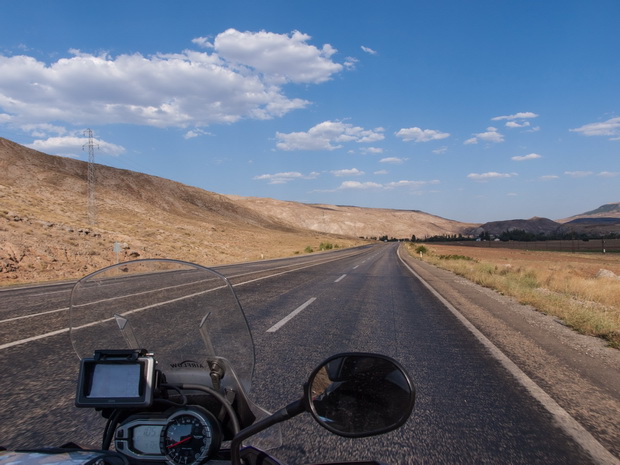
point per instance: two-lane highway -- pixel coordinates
(469, 408)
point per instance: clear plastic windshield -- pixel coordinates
(182, 313)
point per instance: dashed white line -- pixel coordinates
(34, 315)
(290, 316)
(341, 278)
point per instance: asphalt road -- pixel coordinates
(469, 409)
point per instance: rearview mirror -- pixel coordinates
(359, 394)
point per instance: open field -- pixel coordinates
(573, 246)
(570, 286)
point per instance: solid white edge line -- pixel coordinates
(290, 316)
(570, 426)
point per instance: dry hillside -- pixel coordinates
(45, 233)
(355, 221)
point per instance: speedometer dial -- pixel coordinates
(191, 436)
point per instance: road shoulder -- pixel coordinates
(577, 371)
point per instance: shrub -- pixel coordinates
(421, 249)
(455, 257)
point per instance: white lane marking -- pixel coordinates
(341, 278)
(34, 338)
(34, 315)
(94, 323)
(54, 333)
(290, 316)
(570, 426)
(355, 267)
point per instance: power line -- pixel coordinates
(92, 205)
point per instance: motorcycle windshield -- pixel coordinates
(183, 313)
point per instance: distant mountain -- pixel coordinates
(601, 221)
(533, 226)
(609, 210)
(355, 221)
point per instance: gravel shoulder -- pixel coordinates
(579, 372)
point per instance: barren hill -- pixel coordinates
(533, 225)
(355, 221)
(45, 233)
(609, 210)
(602, 221)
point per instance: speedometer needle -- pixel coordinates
(180, 442)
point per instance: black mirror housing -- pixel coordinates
(360, 394)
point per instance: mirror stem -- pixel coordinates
(281, 415)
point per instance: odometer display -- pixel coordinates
(190, 437)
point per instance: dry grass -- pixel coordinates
(564, 285)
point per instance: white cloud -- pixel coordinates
(393, 160)
(578, 174)
(359, 185)
(517, 120)
(240, 77)
(491, 135)
(328, 135)
(490, 175)
(440, 150)
(372, 150)
(349, 63)
(421, 135)
(514, 124)
(549, 177)
(203, 42)
(531, 156)
(608, 174)
(195, 133)
(611, 127)
(349, 172)
(44, 130)
(411, 184)
(283, 178)
(280, 57)
(521, 115)
(381, 172)
(369, 50)
(72, 146)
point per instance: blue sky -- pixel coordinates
(470, 110)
